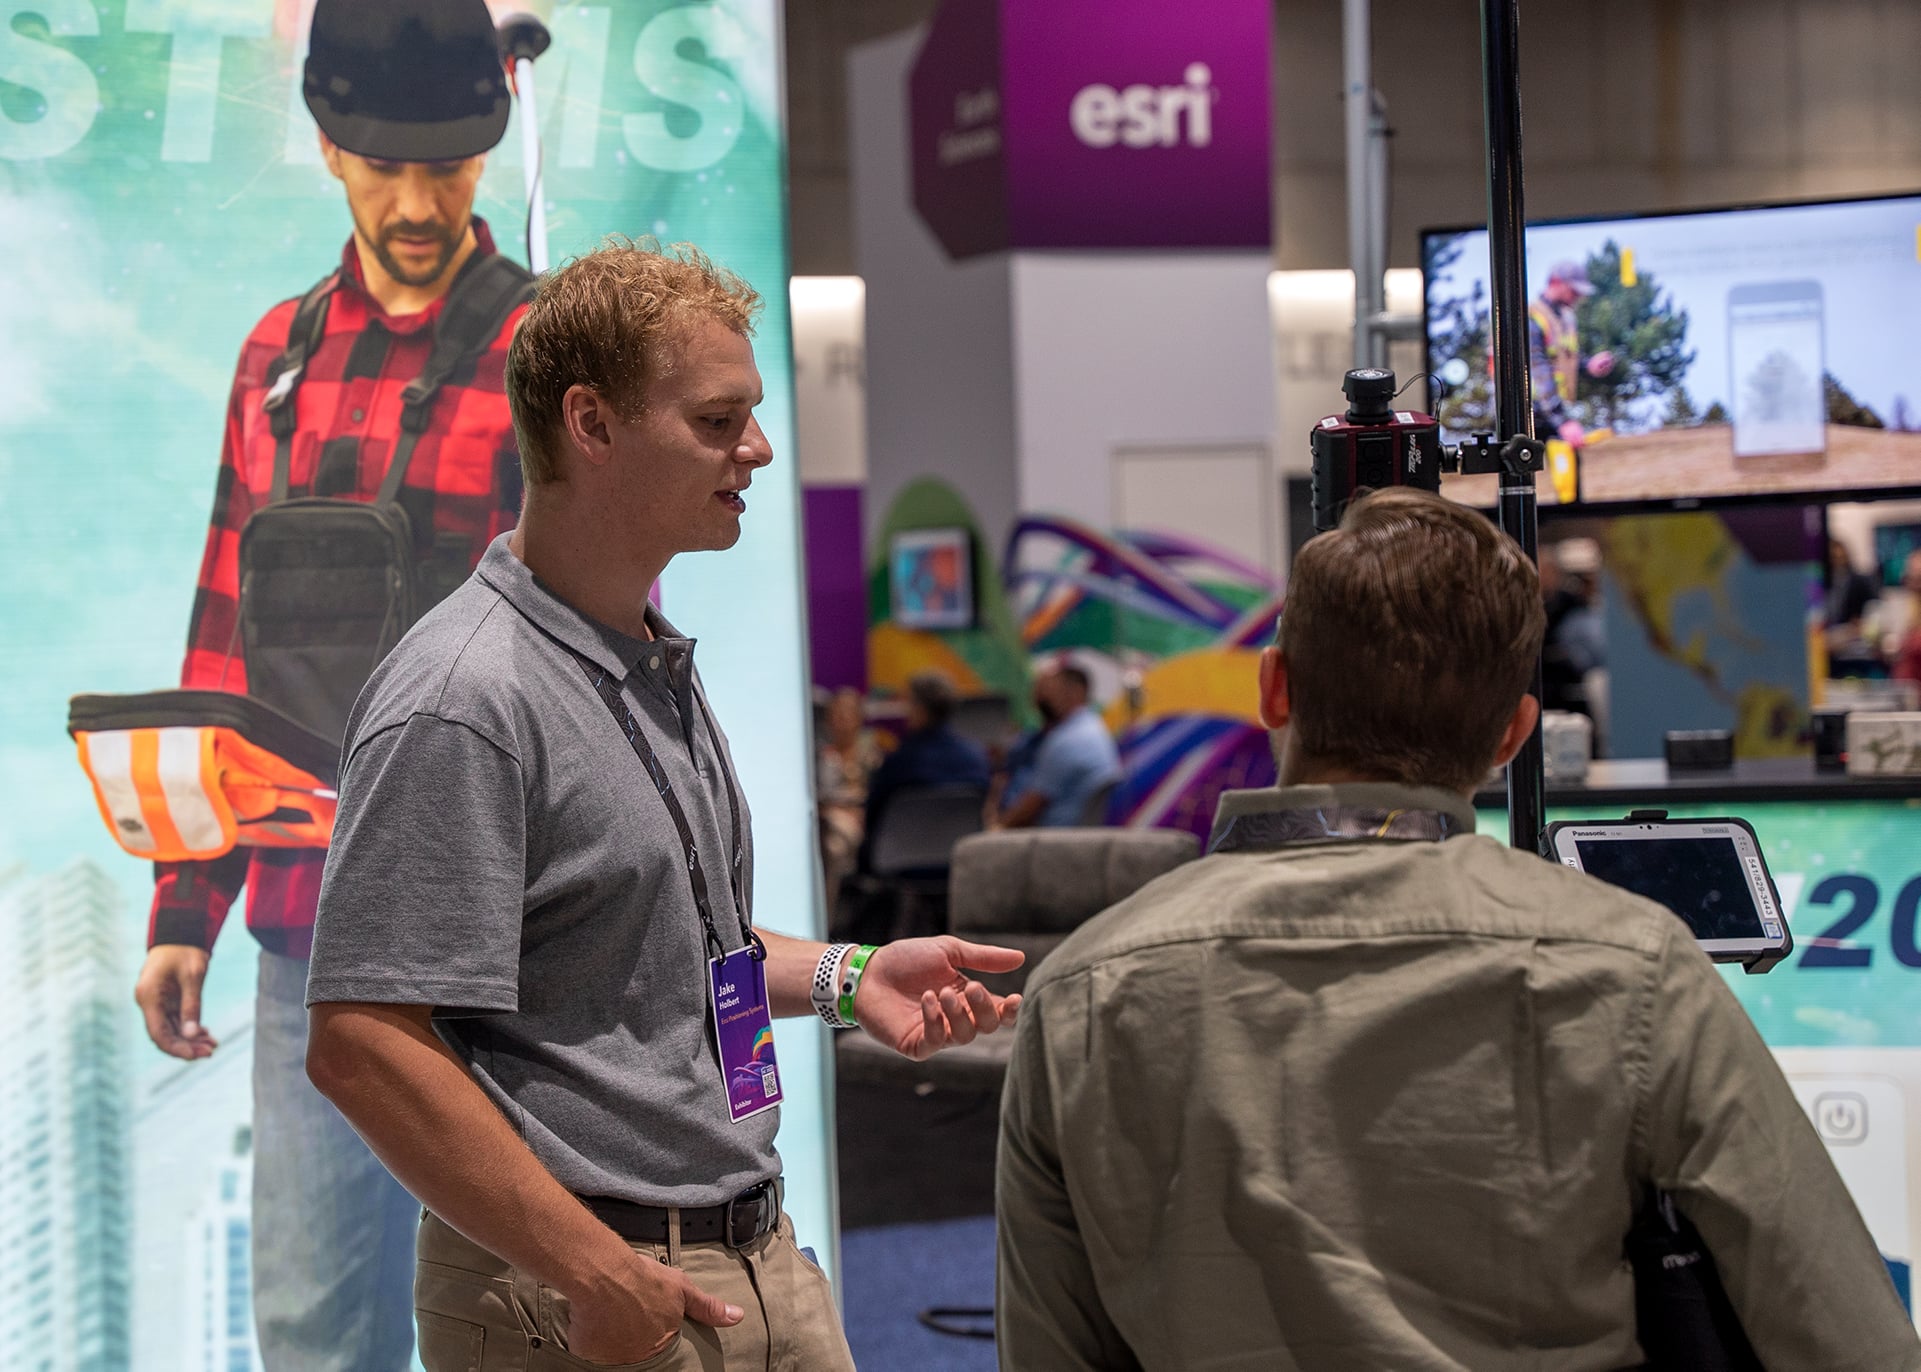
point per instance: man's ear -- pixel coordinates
(1275, 707)
(1520, 727)
(330, 154)
(588, 421)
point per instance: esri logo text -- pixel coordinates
(1143, 116)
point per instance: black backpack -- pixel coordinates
(1683, 1317)
(328, 586)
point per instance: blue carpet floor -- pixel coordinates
(891, 1273)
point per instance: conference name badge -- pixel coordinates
(744, 1027)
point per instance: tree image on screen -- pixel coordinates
(1643, 330)
(1647, 334)
(1843, 408)
(1458, 330)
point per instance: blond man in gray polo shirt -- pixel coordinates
(536, 989)
(1360, 1090)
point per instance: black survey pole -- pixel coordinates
(1514, 407)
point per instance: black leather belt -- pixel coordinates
(736, 1223)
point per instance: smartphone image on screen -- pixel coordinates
(1776, 351)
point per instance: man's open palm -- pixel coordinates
(917, 998)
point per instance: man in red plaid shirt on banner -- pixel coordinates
(409, 96)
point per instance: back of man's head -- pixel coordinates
(1410, 634)
(1077, 682)
(934, 696)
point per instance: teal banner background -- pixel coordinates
(1839, 862)
(160, 189)
(1843, 1011)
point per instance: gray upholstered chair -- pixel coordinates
(1026, 889)
(919, 1136)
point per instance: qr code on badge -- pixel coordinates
(769, 1083)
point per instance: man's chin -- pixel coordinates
(724, 537)
(416, 277)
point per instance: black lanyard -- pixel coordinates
(1266, 829)
(609, 692)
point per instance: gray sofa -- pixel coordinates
(916, 1139)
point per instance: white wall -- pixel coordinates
(830, 387)
(1117, 350)
(940, 377)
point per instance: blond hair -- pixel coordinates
(604, 321)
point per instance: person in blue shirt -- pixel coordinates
(930, 753)
(1073, 759)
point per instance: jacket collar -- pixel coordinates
(1250, 820)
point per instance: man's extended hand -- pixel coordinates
(917, 999)
(168, 993)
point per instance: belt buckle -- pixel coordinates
(747, 1216)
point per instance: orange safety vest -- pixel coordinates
(181, 776)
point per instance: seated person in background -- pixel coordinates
(846, 758)
(1074, 757)
(930, 753)
(1361, 1090)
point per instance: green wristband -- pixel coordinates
(850, 977)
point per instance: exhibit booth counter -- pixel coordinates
(1843, 1012)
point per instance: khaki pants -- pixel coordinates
(477, 1314)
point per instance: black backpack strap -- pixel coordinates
(479, 304)
(303, 340)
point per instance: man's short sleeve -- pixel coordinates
(425, 881)
(1058, 769)
(1075, 760)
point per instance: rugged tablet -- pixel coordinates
(1710, 872)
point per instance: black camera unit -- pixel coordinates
(1373, 445)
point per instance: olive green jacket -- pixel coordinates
(1378, 1104)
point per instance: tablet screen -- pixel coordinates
(1700, 879)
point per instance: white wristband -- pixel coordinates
(825, 992)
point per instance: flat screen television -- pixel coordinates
(1763, 352)
(931, 572)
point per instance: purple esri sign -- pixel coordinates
(954, 103)
(1094, 124)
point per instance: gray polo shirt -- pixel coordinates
(501, 855)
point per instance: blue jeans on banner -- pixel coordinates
(333, 1232)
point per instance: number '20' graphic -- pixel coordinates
(1830, 947)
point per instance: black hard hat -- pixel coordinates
(407, 80)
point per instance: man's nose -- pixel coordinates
(415, 201)
(754, 449)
